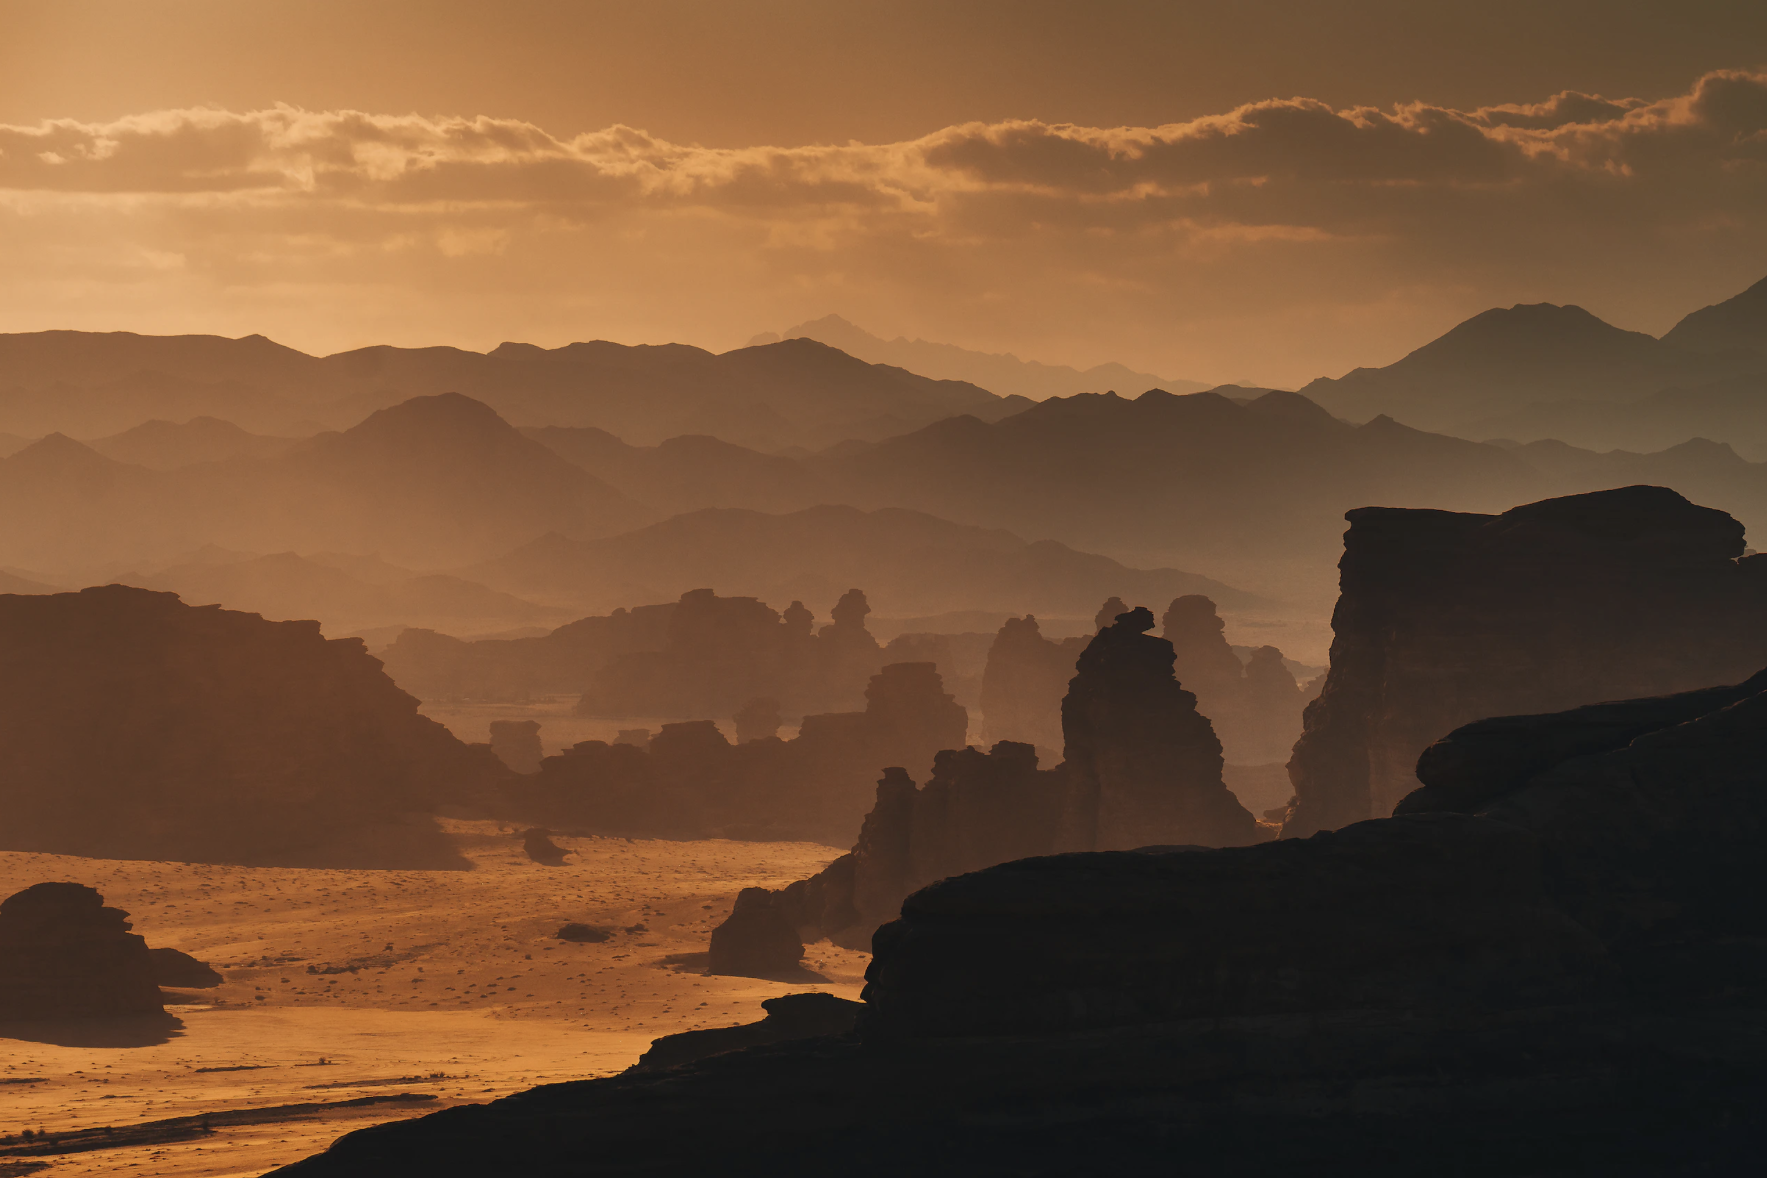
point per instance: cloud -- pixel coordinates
(1270, 208)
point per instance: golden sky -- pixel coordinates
(1270, 191)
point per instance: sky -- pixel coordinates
(1249, 191)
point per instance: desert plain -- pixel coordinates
(340, 985)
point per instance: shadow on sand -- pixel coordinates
(140, 1031)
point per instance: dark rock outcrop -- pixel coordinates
(1567, 981)
(691, 782)
(1142, 764)
(538, 845)
(1143, 767)
(134, 726)
(1445, 618)
(757, 940)
(517, 744)
(719, 653)
(172, 967)
(789, 1016)
(64, 955)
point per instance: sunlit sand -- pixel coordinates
(452, 984)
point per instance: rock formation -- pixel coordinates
(517, 744)
(1255, 708)
(537, 844)
(1023, 684)
(1444, 618)
(691, 782)
(759, 719)
(789, 1016)
(1552, 961)
(757, 940)
(719, 653)
(1108, 613)
(1142, 765)
(435, 666)
(63, 955)
(583, 934)
(172, 967)
(134, 726)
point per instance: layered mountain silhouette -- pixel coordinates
(908, 562)
(1539, 370)
(165, 445)
(795, 393)
(1736, 323)
(433, 482)
(1002, 372)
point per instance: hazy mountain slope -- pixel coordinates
(1181, 479)
(1504, 360)
(164, 445)
(1737, 322)
(999, 372)
(797, 393)
(435, 482)
(1732, 410)
(688, 473)
(908, 562)
(284, 586)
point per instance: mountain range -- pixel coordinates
(908, 562)
(1001, 372)
(797, 393)
(1538, 370)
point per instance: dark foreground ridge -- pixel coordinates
(1563, 975)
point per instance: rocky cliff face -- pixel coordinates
(1142, 766)
(1553, 961)
(1445, 618)
(63, 954)
(134, 726)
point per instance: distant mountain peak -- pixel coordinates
(1002, 373)
(1737, 323)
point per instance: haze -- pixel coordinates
(768, 586)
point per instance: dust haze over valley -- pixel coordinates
(549, 607)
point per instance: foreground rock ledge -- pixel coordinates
(1559, 970)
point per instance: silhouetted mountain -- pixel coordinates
(433, 482)
(164, 445)
(285, 586)
(688, 473)
(1168, 478)
(1502, 361)
(1733, 410)
(1737, 322)
(796, 393)
(999, 372)
(908, 562)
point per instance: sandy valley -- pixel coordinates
(348, 984)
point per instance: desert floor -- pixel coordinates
(451, 984)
